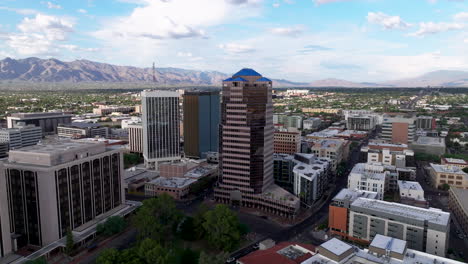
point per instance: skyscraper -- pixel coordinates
(161, 133)
(201, 123)
(246, 146)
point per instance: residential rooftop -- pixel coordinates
(432, 215)
(448, 169)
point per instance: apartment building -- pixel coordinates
(458, 205)
(399, 129)
(287, 142)
(283, 165)
(288, 121)
(82, 130)
(334, 149)
(372, 177)
(312, 123)
(423, 229)
(48, 121)
(448, 174)
(246, 147)
(311, 177)
(398, 155)
(60, 186)
(338, 213)
(21, 136)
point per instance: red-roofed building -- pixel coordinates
(282, 253)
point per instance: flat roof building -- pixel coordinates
(287, 142)
(458, 205)
(423, 229)
(21, 136)
(448, 174)
(82, 130)
(429, 145)
(398, 128)
(178, 188)
(454, 162)
(48, 121)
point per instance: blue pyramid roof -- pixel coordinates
(228, 80)
(239, 79)
(247, 72)
(263, 79)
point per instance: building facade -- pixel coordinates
(283, 165)
(287, 142)
(458, 205)
(334, 149)
(425, 123)
(429, 145)
(60, 186)
(201, 123)
(246, 146)
(312, 123)
(135, 138)
(47, 121)
(399, 129)
(311, 177)
(161, 127)
(448, 174)
(82, 130)
(423, 229)
(22, 136)
(361, 122)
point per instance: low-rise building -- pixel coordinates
(364, 122)
(382, 250)
(352, 134)
(454, 162)
(21, 136)
(412, 193)
(288, 121)
(135, 138)
(109, 109)
(82, 130)
(312, 123)
(458, 205)
(311, 177)
(338, 213)
(448, 174)
(4, 147)
(48, 121)
(372, 177)
(390, 154)
(284, 253)
(283, 165)
(423, 229)
(429, 145)
(178, 188)
(287, 142)
(321, 110)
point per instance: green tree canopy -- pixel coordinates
(113, 225)
(222, 228)
(219, 258)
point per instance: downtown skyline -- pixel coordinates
(296, 40)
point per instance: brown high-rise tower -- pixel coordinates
(246, 146)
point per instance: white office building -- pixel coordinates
(161, 127)
(21, 136)
(370, 177)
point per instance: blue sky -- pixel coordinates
(299, 40)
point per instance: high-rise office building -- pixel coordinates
(246, 146)
(48, 121)
(399, 129)
(161, 127)
(59, 186)
(201, 123)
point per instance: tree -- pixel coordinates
(222, 228)
(69, 242)
(186, 229)
(108, 256)
(465, 170)
(112, 226)
(219, 258)
(131, 159)
(153, 253)
(156, 218)
(199, 219)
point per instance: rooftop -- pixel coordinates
(246, 72)
(324, 133)
(39, 115)
(327, 143)
(431, 215)
(389, 243)
(336, 246)
(172, 182)
(284, 253)
(351, 195)
(456, 161)
(200, 172)
(433, 141)
(80, 125)
(409, 185)
(447, 169)
(369, 170)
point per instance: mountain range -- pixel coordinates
(53, 70)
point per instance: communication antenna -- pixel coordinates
(154, 73)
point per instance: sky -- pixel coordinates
(297, 40)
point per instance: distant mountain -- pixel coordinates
(53, 70)
(435, 78)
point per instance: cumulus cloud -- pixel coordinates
(288, 31)
(426, 28)
(462, 16)
(276, 5)
(387, 21)
(321, 2)
(21, 11)
(39, 35)
(236, 48)
(82, 11)
(184, 54)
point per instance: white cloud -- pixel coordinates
(51, 5)
(321, 2)
(175, 19)
(288, 31)
(39, 35)
(426, 28)
(462, 16)
(387, 21)
(184, 54)
(276, 5)
(82, 11)
(236, 48)
(21, 11)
